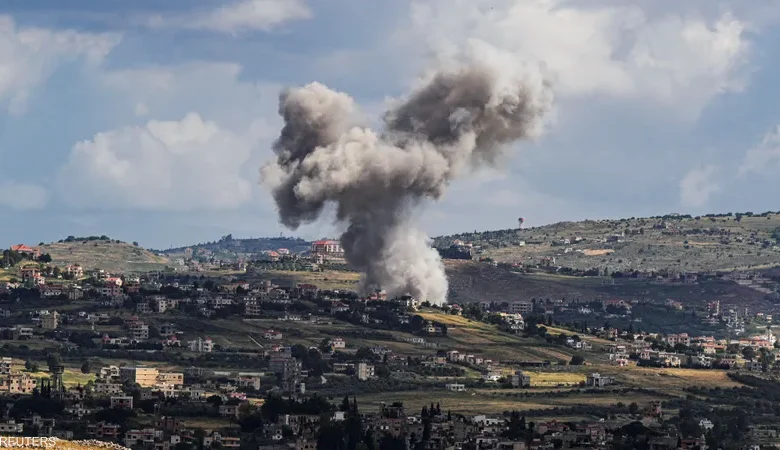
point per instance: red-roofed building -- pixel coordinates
(327, 247)
(21, 248)
(272, 255)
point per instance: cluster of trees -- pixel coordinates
(349, 434)
(11, 258)
(85, 238)
(250, 245)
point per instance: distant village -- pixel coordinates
(278, 392)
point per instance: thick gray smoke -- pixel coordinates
(461, 118)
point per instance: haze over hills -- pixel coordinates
(673, 245)
(680, 243)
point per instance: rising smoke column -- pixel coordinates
(460, 118)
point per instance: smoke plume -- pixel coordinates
(461, 118)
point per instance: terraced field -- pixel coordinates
(106, 255)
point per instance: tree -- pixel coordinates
(633, 408)
(53, 360)
(45, 258)
(749, 353)
(86, 367)
(577, 360)
(215, 401)
(331, 437)
(325, 345)
(30, 366)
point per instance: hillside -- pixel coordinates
(472, 281)
(679, 244)
(228, 246)
(674, 243)
(105, 254)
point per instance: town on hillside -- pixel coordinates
(277, 349)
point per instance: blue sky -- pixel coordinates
(148, 120)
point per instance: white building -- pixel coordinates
(365, 371)
(201, 345)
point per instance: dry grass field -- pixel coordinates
(329, 279)
(487, 340)
(669, 380)
(104, 254)
(483, 401)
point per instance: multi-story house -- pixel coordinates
(50, 320)
(201, 345)
(20, 383)
(122, 402)
(6, 364)
(144, 376)
(365, 371)
(103, 431)
(138, 330)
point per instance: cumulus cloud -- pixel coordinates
(762, 156)
(172, 91)
(240, 16)
(675, 57)
(187, 164)
(22, 196)
(698, 185)
(28, 56)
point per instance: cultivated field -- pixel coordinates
(329, 279)
(483, 401)
(71, 377)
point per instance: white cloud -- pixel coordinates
(188, 164)
(22, 196)
(677, 58)
(240, 16)
(759, 158)
(698, 185)
(172, 163)
(28, 56)
(213, 87)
